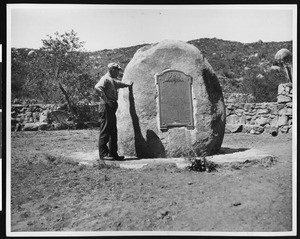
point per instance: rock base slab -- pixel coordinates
(227, 157)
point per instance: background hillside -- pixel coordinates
(241, 68)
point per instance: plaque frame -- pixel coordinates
(189, 80)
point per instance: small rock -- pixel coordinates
(233, 128)
(262, 121)
(284, 129)
(281, 89)
(282, 120)
(283, 99)
(30, 223)
(163, 213)
(286, 111)
(262, 111)
(30, 127)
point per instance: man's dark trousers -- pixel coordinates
(108, 130)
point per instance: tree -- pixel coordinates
(59, 71)
(37, 82)
(64, 62)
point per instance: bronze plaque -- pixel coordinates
(175, 99)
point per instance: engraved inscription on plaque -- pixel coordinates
(175, 99)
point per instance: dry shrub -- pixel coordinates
(201, 164)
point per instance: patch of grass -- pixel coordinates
(267, 161)
(60, 160)
(162, 167)
(103, 165)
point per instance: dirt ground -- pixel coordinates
(50, 192)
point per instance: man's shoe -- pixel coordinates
(103, 155)
(108, 158)
(119, 158)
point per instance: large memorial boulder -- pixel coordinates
(175, 107)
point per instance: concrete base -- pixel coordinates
(225, 156)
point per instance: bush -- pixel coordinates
(201, 164)
(263, 89)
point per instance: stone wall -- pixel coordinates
(52, 117)
(256, 118)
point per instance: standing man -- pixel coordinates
(107, 88)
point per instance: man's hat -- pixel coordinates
(114, 65)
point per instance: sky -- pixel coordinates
(114, 26)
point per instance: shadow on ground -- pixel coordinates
(226, 150)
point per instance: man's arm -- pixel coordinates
(99, 87)
(120, 84)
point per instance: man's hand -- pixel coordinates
(130, 84)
